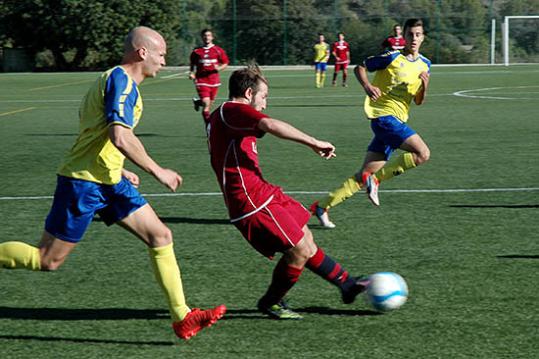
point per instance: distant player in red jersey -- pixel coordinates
(208, 60)
(341, 51)
(395, 41)
(270, 220)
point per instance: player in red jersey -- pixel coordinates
(341, 51)
(208, 60)
(395, 41)
(270, 220)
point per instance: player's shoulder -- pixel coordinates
(389, 54)
(118, 75)
(425, 60)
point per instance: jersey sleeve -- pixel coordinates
(120, 99)
(242, 120)
(380, 62)
(223, 58)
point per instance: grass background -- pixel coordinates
(471, 259)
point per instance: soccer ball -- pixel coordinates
(386, 291)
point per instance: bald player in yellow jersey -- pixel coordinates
(92, 181)
(321, 57)
(399, 79)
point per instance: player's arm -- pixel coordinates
(372, 91)
(125, 140)
(286, 131)
(192, 62)
(421, 94)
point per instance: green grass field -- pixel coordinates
(462, 229)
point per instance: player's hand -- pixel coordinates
(191, 76)
(425, 77)
(324, 149)
(169, 178)
(131, 177)
(373, 92)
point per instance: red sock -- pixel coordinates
(284, 278)
(327, 268)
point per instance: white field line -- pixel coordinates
(208, 194)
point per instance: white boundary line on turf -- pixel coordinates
(206, 194)
(465, 93)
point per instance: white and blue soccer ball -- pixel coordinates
(386, 291)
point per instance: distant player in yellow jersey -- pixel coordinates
(321, 57)
(92, 181)
(399, 79)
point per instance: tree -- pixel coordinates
(72, 29)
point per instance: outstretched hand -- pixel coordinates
(324, 149)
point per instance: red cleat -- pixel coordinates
(196, 320)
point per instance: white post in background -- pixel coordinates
(493, 42)
(506, 41)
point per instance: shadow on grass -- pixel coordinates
(518, 256)
(84, 340)
(81, 314)
(233, 314)
(151, 314)
(511, 206)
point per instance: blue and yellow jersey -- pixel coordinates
(398, 79)
(112, 99)
(321, 52)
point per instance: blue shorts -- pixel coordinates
(77, 201)
(320, 66)
(389, 134)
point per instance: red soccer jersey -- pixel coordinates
(394, 43)
(205, 59)
(232, 133)
(341, 49)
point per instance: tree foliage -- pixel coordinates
(89, 34)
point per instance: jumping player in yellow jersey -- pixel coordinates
(321, 57)
(92, 180)
(399, 79)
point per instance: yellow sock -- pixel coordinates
(14, 255)
(322, 79)
(345, 191)
(318, 79)
(167, 274)
(396, 166)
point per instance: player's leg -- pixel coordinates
(206, 106)
(326, 267)
(372, 162)
(345, 75)
(317, 74)
(416, 152)
(335, 73)
(323, 74)
(72, 210)
(147, 226)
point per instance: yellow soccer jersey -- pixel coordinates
(112, 99)
(321, 52)
(398, 79)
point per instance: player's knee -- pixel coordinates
(162, 237)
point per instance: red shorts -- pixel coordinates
(338, 67)
(277, 227)
(207, 91)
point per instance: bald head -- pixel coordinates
(142, 37)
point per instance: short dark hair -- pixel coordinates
(412, 23)
(205, 31)
(246, 78)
